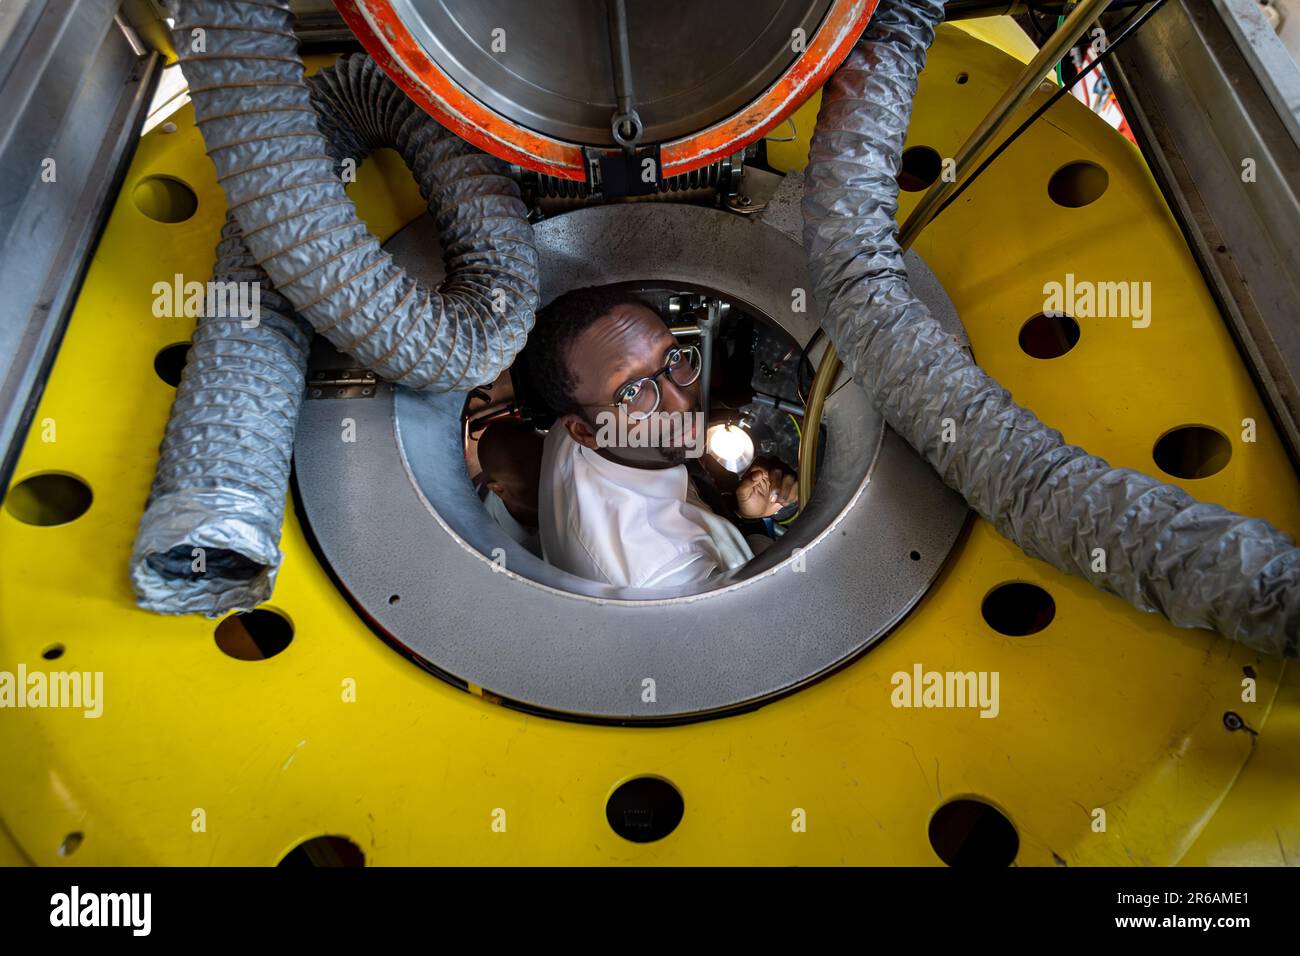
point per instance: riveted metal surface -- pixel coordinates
(1105, 709)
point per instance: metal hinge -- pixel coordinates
(343, 383)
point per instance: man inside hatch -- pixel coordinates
(616, 501)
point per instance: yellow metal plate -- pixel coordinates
(1105, 709)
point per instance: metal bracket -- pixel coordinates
(625, 126)
(616, 173)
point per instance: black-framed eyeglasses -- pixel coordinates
(640, 398)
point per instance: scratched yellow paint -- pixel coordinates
(1106, 708)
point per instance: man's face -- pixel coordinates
(629, 343)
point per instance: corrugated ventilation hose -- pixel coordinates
(1198, 564)
(208, 542)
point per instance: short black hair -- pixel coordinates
(558, 325)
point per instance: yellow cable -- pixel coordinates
(821, 387)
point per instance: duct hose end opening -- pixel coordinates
(187, 562)
(178, 565)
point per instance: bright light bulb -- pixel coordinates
(732, 447)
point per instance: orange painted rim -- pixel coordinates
(391, 45)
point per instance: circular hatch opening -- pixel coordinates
(394, 511)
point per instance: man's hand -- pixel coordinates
(765, 490)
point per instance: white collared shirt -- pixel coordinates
(630, 527)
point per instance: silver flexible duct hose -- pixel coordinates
(208, 541)
(278, 172)
(1198, 564)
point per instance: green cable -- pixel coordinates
(1060, 77)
